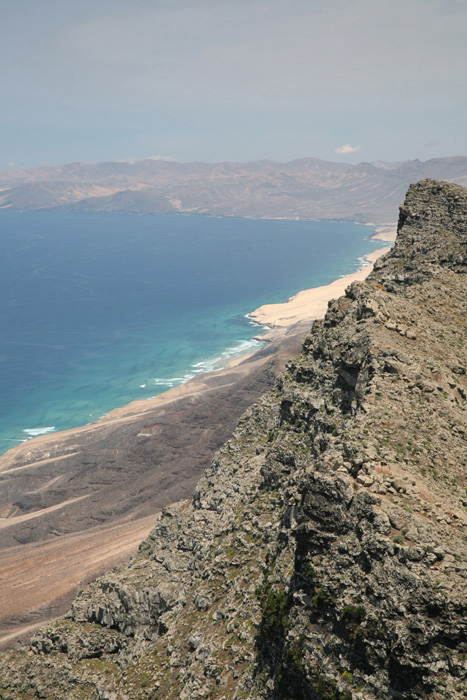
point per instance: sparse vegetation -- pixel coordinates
(325, 551)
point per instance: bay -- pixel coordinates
(97, 310)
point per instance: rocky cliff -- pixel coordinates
(76, 503)
(323, 555)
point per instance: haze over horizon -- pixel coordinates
(342, 80)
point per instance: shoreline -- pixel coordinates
(102, 485)
(384, 232)
(311, 304)
(120, 471)
(44, 447)
(267, 332)
(302, 308)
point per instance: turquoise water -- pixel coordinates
(99, 309)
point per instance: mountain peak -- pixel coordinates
(431, 232)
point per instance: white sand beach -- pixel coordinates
(385, 232)
(311, 304)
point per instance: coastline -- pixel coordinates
(43, 447)
(301, 309)
(151, 356)
(384, 232)
(122, 469)
(311, 304)
(102, 486)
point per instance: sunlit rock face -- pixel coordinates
(323, 555)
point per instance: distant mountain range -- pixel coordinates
(323, 555)
(306, 188)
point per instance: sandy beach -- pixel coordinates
(310, 304)
(109, 479)
(98, 488)
(299, 310)
(385, 232)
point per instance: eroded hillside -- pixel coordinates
(323, 555)
(304, 188)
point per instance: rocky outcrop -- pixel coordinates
(323, 555)
(90, 495)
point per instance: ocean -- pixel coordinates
(97, 310)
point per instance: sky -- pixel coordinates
(237, 80)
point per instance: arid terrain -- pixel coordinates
(306, 188)
(75, 503)
(324, 553)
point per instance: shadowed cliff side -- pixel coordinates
(323, 556)
(75, 503)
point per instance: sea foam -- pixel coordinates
(212, 364)
(182, 313)
(34, 432)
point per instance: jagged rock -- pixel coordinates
(324, 553)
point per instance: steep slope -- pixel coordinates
(304, 188)
(75, 503)
(324, 553)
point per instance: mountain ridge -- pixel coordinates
(302, 188)
(324, 554)
(97, 490)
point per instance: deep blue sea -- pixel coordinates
(97, 310)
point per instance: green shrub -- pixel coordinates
(275, 609)
(352, 618)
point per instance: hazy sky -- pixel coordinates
(232, 80)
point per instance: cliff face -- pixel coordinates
(90, 495)
(324, 553)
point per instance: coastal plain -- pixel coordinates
(77, 502)
(323, 554)
(91, 494)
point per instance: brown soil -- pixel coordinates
(39, 581)
(74, 503)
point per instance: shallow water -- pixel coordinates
(100, 309)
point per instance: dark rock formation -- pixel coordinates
(92, 494)
(323, 556)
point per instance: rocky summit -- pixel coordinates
(323, 555)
